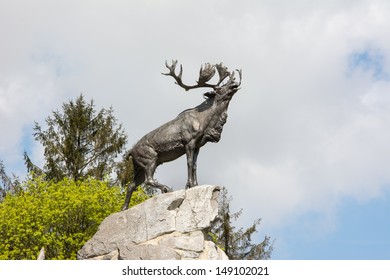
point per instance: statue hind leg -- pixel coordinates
(139, 178)
(150, 181)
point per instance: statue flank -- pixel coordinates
(189, 131)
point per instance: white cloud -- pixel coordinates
(21, 99)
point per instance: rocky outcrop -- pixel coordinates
(169, 226)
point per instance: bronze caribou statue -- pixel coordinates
(188, 132)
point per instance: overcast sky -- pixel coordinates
(306, 146)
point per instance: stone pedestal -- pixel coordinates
(169, 226)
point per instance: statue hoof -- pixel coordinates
(166, 189)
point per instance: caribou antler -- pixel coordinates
(206, 73)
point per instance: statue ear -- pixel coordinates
(209, 94)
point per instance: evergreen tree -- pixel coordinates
(237, 244)
(78, 142)
(9, 185)
(6, 182)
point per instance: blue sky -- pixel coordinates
(305, 146)
(370, 61)
(361, 232)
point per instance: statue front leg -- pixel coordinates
(190, 149)
(192, 158)
(195, 167)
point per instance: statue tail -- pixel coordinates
(128, 155)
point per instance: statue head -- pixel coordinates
(223, 90)
(226, 91)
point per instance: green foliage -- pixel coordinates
(79, 142)
(237, 244)
(59, 216)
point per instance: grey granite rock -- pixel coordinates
(168, 226)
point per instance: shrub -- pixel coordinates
(60, 217)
